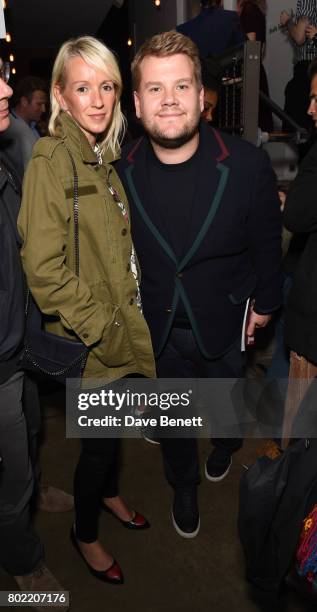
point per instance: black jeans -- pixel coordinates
(96, 476)
(181, 358)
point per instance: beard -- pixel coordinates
(165, 141)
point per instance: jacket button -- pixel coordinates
(131, 301)
(124, 231)
(169, 310)
(179, 275)
(85, 335)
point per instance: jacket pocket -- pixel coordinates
(101, 292)
(243, 292)
(114, 348)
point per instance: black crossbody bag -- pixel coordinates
(45, 353)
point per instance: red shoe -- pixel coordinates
(113, 574)
(137, 523)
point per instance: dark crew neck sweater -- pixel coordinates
(173, 187)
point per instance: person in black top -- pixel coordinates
(21, 550)
(252, 18)
(206, 226)
(253, 22)
(300, 217)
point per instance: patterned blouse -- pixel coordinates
(307, 8)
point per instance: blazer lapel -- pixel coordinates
(213, 178)
(143, 199)
(211, 184)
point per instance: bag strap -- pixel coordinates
(29, 302)
(75, 211)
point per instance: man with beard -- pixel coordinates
(206, 227)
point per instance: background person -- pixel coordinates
(29, 105)
(214, 30)
(300, 217)
(101, 307)
(21, 550)
(253, 22)
(302, 30)
(211, 74)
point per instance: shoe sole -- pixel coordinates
(217, 478)
(150, 440)
(185, 534)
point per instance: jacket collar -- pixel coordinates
(209, 137)
(69, 130)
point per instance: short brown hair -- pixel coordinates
(165, 45)
(26, 87)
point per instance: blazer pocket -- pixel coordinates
(243, 292)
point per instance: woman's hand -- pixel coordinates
(311, 31)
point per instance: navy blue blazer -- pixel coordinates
(214, 30)
(233, 249)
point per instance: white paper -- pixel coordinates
(244, 325)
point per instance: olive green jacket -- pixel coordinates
(98, 306)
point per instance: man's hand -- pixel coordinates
(282, 196)
(255, 321)
(311, 31)
(284, 18)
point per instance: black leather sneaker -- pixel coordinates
(185, 513)
(218, 465)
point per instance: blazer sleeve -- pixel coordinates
(265, 238)
(43, 225)
(300, 213)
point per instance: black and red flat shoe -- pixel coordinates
(112, 575)
(137, 523)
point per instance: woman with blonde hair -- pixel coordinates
(100, 305)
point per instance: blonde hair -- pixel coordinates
(165, 45)
(95, 53)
